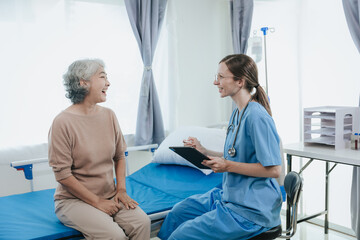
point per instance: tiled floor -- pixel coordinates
(308, 231)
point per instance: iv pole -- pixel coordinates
(264, 30)
(256, 45)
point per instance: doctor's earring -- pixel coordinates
(253, 91)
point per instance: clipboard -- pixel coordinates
(192, 155)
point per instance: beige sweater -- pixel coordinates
(85, 147)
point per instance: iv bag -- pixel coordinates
(255, 48)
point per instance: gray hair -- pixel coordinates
(80, 70)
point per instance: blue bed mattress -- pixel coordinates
(155, 187)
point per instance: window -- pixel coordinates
(40, 39)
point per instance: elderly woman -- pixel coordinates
(85, 145)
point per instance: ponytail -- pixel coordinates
(261, 97)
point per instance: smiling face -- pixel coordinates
(97, 86)
(225, 82)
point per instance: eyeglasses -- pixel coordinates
(219, 77)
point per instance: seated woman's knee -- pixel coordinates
(115, 234)
(145, 220)
(142, 221)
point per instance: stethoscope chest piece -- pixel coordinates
(232, 152)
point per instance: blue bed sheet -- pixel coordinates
(155, 187)
(168, 185)
(31, 216)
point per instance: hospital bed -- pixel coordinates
(156, 187)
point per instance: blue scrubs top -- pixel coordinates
(254, 198)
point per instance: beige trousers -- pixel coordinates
(93, 223)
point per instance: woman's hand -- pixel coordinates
(109, 207)
(123, 197)
(195, 143)
(217, 164)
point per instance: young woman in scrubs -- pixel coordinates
(249, 202)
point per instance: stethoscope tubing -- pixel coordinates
(232, 150)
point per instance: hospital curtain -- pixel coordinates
(146, 17)
(352, 14)
(241, 12)
(355, 202)
(352, 10)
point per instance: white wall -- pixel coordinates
(312, 61)
(199, 36)
(329, 76)
(282, 62)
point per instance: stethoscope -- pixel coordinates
(232, 150)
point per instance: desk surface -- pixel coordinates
(325, 153)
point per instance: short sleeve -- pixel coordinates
(59, 154)
(266, 141)
(120, 144)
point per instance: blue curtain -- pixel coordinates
(241, 12)
(146, 18)
(352, 10)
